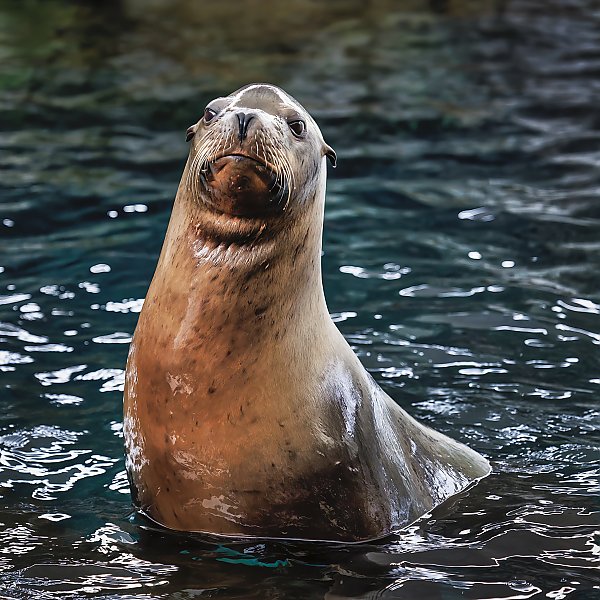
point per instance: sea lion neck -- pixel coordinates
(226, 289)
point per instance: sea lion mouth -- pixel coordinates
(242, 185)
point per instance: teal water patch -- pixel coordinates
(242, 558)
(255, 562)
(232, 556)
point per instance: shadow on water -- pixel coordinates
(461, 253)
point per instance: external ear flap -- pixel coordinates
(331, 155)
(190, 133)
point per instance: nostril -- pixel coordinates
(244, 121)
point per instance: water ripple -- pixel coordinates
(41, 458)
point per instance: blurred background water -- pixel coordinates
(462, 246)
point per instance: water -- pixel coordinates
(461, 262)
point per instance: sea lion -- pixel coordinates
(246, 413)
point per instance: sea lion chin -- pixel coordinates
(242, 186)
(246, 413)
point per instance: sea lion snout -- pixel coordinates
(242, 186)
(244, 121)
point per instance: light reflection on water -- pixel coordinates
(461, 252)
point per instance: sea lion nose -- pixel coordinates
(244, 121)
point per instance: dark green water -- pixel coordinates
(462, 247)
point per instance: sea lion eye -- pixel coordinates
(298, 128)
(209, 114)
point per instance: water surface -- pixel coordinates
(461, 253)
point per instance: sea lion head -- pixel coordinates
(256, 161)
